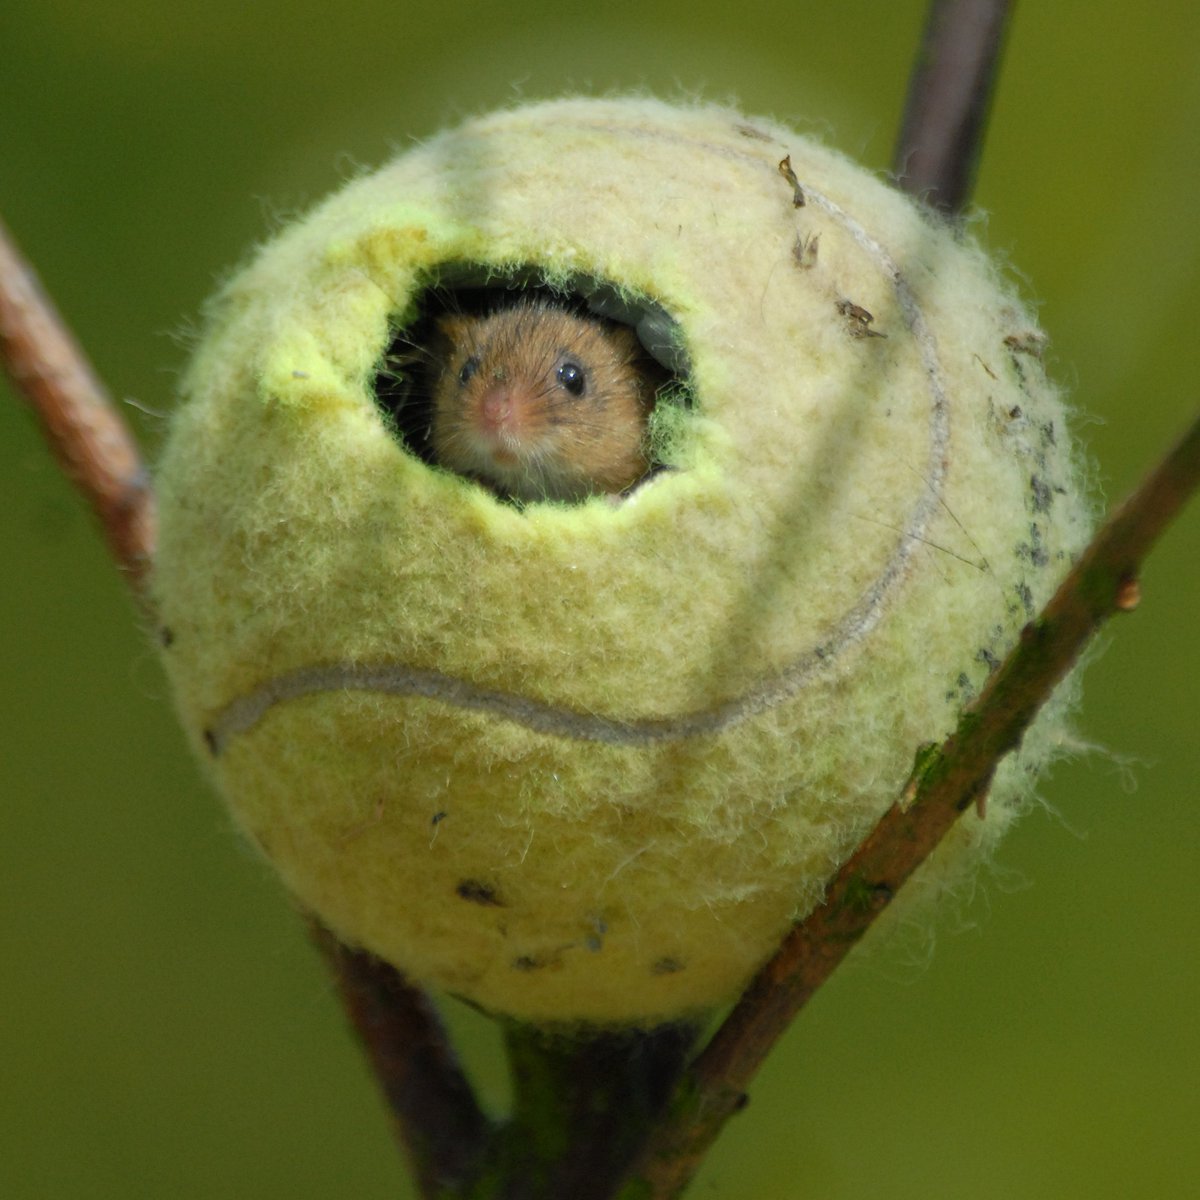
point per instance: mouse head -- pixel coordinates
(539, 403)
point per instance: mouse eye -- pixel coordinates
(468, 370)
(572, 377)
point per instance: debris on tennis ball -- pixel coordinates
(587, 761)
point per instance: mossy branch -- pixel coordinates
(584, 1102)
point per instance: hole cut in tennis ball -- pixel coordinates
(404, 381)
(586, 762)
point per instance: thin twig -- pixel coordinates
(435, 1116)
(91, 441)
(945, 117)
(945, 783)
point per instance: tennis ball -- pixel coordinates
(587, 762)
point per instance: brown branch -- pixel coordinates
(92, 443)
(435, 1117)
(941, 136)
(431, 1104)
(945, 783)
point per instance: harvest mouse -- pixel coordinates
(538, 402)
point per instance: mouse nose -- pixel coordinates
(496, 407)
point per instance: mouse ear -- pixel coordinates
(651, 372)
(453, 328)
(628, 345)
(626, 339)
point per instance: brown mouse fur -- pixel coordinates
(537, 402)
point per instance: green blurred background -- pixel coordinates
(165, 1030)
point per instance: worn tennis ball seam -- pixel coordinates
(588, 762)
(398, 679)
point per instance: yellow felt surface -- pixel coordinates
(708, 693)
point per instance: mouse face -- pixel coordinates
(539, 403)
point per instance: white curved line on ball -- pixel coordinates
(245, 712)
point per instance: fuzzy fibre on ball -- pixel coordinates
(588, 762)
